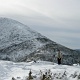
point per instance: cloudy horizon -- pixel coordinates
(59, 20)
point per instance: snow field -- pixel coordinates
(21, 70)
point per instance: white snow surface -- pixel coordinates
(21, 70)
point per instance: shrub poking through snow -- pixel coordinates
(30, 76)
(79, 76)
(74, 75)
(13, 78)
(46, 76)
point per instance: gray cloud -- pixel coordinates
(59, 20)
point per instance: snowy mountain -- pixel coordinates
(20, 43)
(17, 40)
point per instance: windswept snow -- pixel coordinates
(20, 70)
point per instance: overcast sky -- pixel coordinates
(58, 20)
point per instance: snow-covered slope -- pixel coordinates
(17, 39)
(21, 70)
(18, 43)
(12, 32)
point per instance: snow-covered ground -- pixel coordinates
(21, 70)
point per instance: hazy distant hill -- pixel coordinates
(19, 43)
(77, 49)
